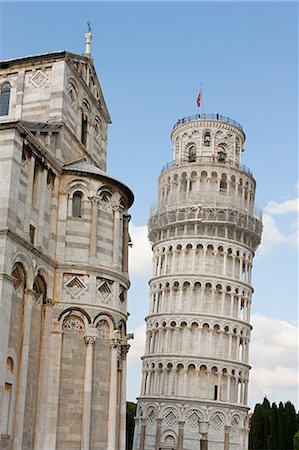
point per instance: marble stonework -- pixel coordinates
(63, 264)
(204, 231)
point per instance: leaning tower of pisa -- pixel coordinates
(204, 232)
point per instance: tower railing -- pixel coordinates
(204, 206)
(206, 161)
(208, 117)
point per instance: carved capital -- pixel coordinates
(94, 200)
(114, 343)
(89, 340)
(124, 350)
(117, 208)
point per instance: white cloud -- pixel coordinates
(288, 206)
(274, 360)
(140, 255)
(273, 234)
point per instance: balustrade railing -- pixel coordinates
(206, 161)
(207, 117)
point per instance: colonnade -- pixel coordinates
(193, 340)
(201, 298)
(197, 382)
(203, 258)
(240, 189)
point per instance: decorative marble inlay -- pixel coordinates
(73, 325)
(170, 416)
(105, 291)
(193, 418)
(75, 286)
(38, 78)
(103, 329)
(217, 421)
(235, 423)
(152, 415)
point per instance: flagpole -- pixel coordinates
(201, 98)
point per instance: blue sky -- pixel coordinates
(151, 58)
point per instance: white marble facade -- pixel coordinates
(204, 231)
(63, 265)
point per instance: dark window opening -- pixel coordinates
(192, 154)
(32, 234)
(77, 204)
(221, 156)
(84, 129)
(4, 99)
(215, 392)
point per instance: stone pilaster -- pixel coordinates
(126, 220)
(122, 429)
(112, 413)
(94, 226)
(117, 210)
(42, 395)
(181, 435)
(158, 433)
(23, 370)
(226, 437)
(89, 342)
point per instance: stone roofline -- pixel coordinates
(58, 55)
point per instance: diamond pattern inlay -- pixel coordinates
(38, 78)
(170, 417)
(75, 286)
(217, 421)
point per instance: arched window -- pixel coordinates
(77, 204)
(4, 99)
(207, 139)
(221, 155)
(192, 154)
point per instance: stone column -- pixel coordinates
(203, 429)
(41, 206)
(123, 405)
(117, 209)
(228, 388)
(53, 386)
(94, 226)
(112, 418)
(136, 430)
(28, 201)
(226, 437)
(142, 433)
(158, 433)
(22, 379)
(6, 294)
(42, 395)
(181, 435)
(86, 415)
(126, 220)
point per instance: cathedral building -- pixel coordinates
(64, 260)
(204, 232)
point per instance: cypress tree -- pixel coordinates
(281, 427)
(296, 441)
(256, 436)
(290, 423)
(131, 412)
(273, 427)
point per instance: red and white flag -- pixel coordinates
(198, 101)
